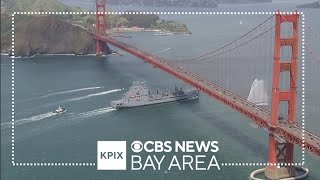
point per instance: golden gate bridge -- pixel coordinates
(284, 131)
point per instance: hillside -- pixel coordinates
(10, 6)
(145, 21)
(150, 22)
(166, 3)
(310, 5)
(48, 35)
(242, 1)
(181, 3)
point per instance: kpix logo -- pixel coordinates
(111, 155)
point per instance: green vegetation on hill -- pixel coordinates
(150, 21)
(49, 35)
(44, 34)
(182, 3)
(140, 20)
(33, 38)
(130, 20)
(6, 22)
(11, 6)
(171, 26)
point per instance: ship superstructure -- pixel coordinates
(139, 94)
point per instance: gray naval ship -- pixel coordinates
(140, 95)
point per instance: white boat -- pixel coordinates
(59, 110)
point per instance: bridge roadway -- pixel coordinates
(286, 131)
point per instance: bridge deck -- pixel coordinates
(289, 132)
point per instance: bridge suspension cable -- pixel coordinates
(232, 42)
(311, 53)
(313, 31)
(285, 130)
(315, 34)
(229, 50)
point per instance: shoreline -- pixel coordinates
(39, 55)
(130, 30)
(156, 32)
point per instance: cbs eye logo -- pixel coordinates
(136, 146)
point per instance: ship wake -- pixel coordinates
(63, 92)
(94, 113)
(91, 95)
(80, 98)
(47, 115)
(28, 120)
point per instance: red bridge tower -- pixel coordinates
(282, 152)
(101, 26)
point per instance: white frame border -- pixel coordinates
(157, 13)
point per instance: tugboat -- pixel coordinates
(140, 95)
(59, 110)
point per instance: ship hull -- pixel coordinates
(189, 95)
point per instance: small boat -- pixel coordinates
(120, 53)
(59, 110)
